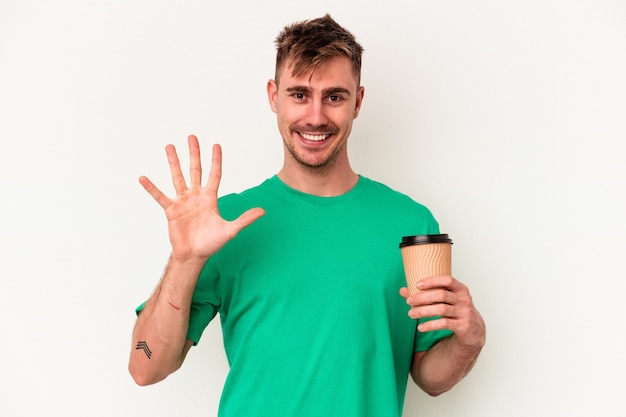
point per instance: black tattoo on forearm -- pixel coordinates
(143, 345)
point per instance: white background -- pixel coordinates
(506, 118)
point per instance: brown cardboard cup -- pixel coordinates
(425, 256)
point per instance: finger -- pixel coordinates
(195, 167)
(404, 292)
(444, 281)
(177, 175)
(433, 310)
(153, 190)
(436, 324)
(433, 296)
(215, 174)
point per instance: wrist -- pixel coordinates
(186, 257)
(184, 268)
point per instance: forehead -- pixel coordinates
(337, 71)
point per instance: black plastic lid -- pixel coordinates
(422, 239)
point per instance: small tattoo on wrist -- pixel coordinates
(144, 346)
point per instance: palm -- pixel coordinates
(196, 228)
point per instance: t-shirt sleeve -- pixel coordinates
(204, 304)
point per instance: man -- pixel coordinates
(305, 269)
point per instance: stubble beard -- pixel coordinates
(317, 166)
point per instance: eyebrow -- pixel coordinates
(325, 92)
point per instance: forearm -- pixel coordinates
(444, 365)
(159, 342)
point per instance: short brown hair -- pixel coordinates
(311, 44)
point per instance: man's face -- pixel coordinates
(315, 113)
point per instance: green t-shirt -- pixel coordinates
(312, 320)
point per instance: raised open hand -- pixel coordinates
(195, 226)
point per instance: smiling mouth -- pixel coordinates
(314, 138)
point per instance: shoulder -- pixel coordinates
(385, 193)
(400, 208)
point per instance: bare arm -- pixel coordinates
(197, 231)
(159, 341)
(450, 360)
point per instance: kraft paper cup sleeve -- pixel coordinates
(425, 256)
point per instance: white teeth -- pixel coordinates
(315, 138)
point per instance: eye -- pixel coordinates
(334, 98)
(299, 96)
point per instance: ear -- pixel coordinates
(359, 100)
(272, 94)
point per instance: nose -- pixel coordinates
(316, 114)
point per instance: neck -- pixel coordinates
(319, 181)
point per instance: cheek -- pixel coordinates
(346, 117)
(287, 114)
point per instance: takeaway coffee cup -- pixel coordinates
(425, 256)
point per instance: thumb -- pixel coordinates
(248, 217)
